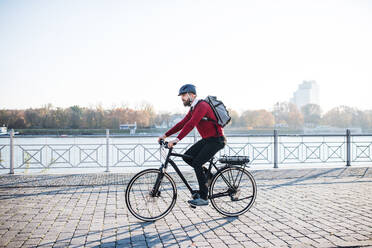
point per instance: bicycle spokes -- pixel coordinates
(233, 191)
(151, 195)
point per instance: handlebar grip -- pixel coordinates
(163, 143)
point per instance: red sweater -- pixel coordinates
(193, 118)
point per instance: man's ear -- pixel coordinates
(192, 95)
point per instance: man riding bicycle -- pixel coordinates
(202, 116)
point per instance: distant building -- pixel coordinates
(307, 93)
(3, 130)
(131, 127)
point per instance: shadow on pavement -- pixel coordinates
(35, 179)
(58, 191)
(301, 180)
(165, 238)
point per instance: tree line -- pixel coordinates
(284, 114)
(76, 117)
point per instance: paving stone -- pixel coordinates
(295, 209)
(15, 244)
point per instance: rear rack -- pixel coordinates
(234, 160)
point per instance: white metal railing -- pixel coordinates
(115, 151)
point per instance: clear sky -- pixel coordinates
(251, 54)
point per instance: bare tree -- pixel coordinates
(312, 114)
(286, 113)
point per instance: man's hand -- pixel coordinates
(163, 137)
(173, 142)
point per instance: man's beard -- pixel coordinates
(187, 102)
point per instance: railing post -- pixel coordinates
(107, 150)
(348, 147)
(11, 166)
(276, 150)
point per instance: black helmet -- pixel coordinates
(187, 88)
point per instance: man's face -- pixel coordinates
(186, 99)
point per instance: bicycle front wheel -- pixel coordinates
(143, 202)
(233, 191)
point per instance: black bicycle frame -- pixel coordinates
(175, 167)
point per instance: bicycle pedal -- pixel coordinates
(191, 206)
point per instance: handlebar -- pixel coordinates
(164, 143)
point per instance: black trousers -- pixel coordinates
(202, 151)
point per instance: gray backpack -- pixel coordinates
(219, 109)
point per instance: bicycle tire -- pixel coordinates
(138, 197)
(222, 196)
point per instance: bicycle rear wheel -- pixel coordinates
(143, 203)
(233, 191)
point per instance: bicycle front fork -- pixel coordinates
(155, 190)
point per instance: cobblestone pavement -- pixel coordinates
(311, 210)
